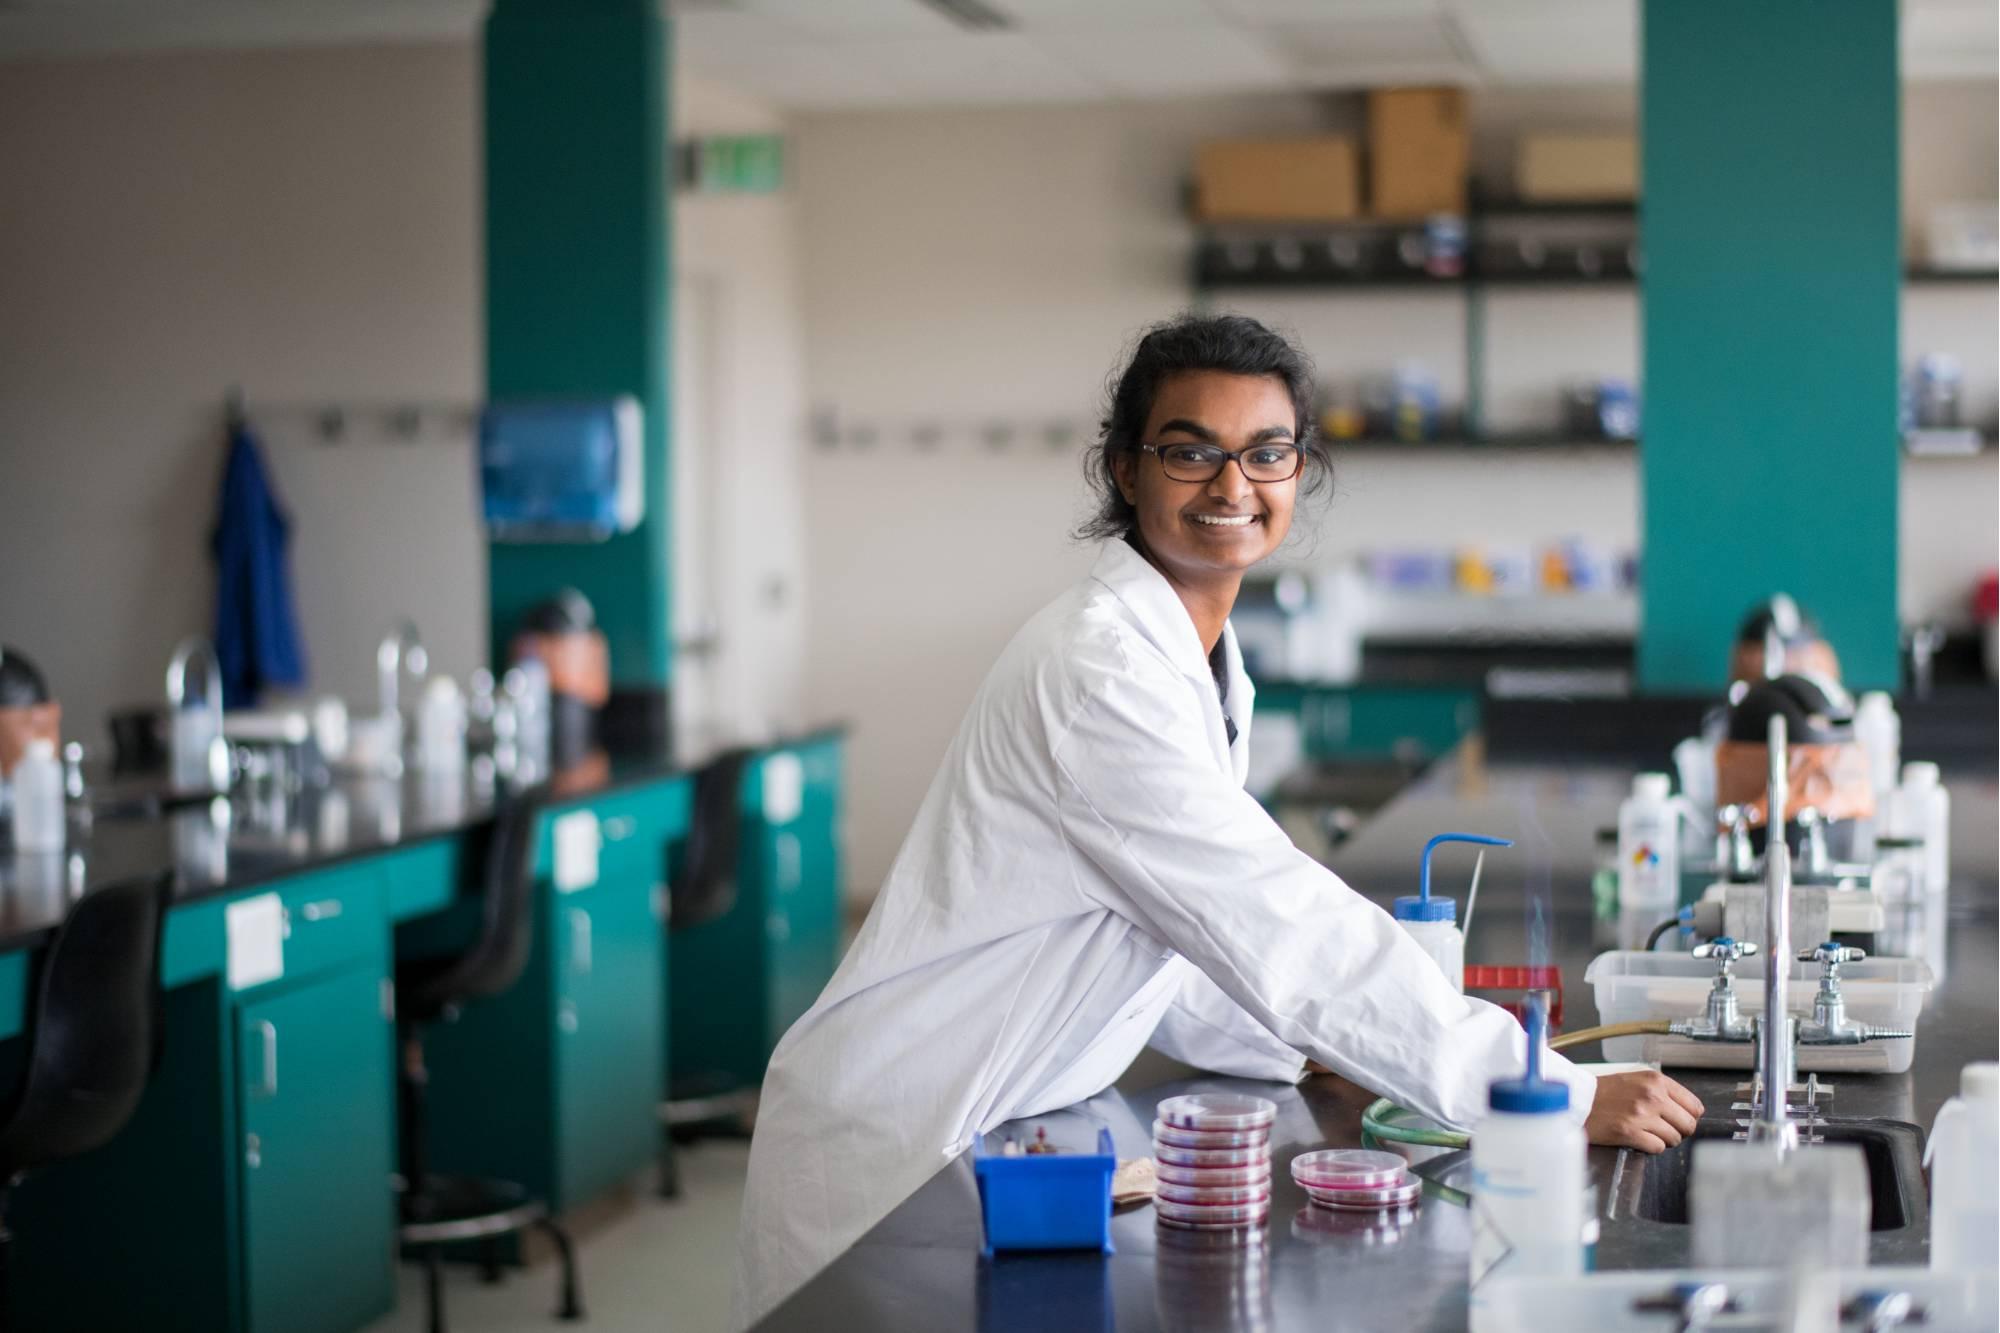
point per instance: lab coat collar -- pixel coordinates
(1154, 604)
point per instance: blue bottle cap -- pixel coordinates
(1530, 1094)
(1413, 908)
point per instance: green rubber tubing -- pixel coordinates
(1383, 1118)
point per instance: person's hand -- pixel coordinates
(1644, 1110)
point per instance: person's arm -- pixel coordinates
(1195, 861)
(1207, 1029)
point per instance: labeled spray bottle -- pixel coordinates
(1529, 1164)
(1433, 921)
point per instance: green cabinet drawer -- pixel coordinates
(332, 918)
(313, 1082)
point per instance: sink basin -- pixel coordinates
(1893, 1150)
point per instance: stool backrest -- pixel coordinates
(497, 954)
(95, 1027)
(705, 886)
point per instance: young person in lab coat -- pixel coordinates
(1087, 874)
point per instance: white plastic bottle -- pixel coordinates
(1925, 809)
(1880, 732)
(1649, 853)
(441, 727)
(1433, 924)
(1964, 1158)
(38, 799)
(1529, 1165)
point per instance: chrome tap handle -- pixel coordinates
(1726, 952)
(1880, 1311)
(1832, 955)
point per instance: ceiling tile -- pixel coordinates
(1164, 62)
(1129, 16)
(1950, 40)
(1551, 41)
(1372, 52)
(1263, 13)
(979, 67)
(855, 18)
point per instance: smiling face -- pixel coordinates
(1201, 531)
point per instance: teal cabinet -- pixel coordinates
(1375, 721)
(313, 1077)
(556, 1082)
(739, 981)
(609, 1022)
(251, 1190)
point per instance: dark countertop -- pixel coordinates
(262, 840)
(921, 1268)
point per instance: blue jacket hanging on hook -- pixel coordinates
(256, 631)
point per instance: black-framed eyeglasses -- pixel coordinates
(1275, 461)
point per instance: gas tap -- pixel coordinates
(1829, 1025)
(1721, 1020)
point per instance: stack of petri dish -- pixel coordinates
(1212, 1161)
(1356, 1180)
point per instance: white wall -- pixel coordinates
(303, 224)
(963, 267)
(739, 383)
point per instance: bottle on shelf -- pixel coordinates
(38, 816)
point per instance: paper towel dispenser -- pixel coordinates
(562, 470)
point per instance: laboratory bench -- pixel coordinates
(253, 1189)
(921, 1267)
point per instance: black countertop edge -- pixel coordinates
(35, 888)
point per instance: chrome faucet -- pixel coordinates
(401, 648)
(1733, 856)
(187, 653)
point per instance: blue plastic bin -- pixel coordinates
(1046, 1201)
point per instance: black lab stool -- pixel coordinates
(94, 1035)
(443, 1210)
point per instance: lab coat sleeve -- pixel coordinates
(1205, 1028)
(1181, 850)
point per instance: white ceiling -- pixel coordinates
(844, 53)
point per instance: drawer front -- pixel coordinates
(332, 918)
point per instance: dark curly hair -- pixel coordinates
(1233, 344)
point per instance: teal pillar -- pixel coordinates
(1772, 274)
(577, 283)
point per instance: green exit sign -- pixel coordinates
(733, 164)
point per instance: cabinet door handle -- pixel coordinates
(620, 827)
(268, 1087)
(579, 941)
(326, 909)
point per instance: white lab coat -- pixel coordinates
(1087, 874)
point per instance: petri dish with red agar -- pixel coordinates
(1348, 1169)
(1218, 1111)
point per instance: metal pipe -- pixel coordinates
(1775, 1054)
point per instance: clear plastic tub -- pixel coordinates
(1217, 1111)
(1177, 1137)
(1634, 987)
(1212, 1177)
(1206, 1215)
(1168, 1154)
(1348, 1169)
(1234, 1196)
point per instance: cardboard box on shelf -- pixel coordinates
(1418, 151)
(1577, 168)
(1278, 180)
